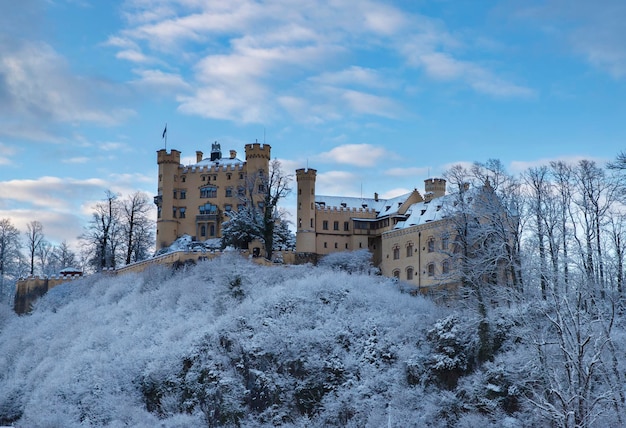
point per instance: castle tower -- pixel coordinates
(167, 225)
(305, 233)
(257, 158)
(434, 188)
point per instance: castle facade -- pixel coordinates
(195, 199)
(409, 236)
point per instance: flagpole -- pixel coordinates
(165, 135)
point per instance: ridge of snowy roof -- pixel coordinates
(381, 206)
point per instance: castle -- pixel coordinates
(408, 235)
(195, 199)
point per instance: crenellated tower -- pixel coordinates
(305, 236)
(167, 225)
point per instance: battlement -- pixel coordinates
(306, 174)
(215, 168)
(434, 188)
(351, 210)
(257, 150)
(164, 157)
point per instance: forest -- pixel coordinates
(535, 335)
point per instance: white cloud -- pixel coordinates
(517, 167)
(337, 183)
(6, 152)
(354, 154)
(595, 31)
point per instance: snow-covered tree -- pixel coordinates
(260, 216)
(10, 256)
(34, 239)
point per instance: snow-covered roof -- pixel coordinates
(434, 210)
(425, 212)
(383, 207)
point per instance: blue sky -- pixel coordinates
(376, 95)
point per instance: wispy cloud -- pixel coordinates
(354, 154)
(271, 59)
(594, 31)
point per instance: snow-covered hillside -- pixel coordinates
(229, 343)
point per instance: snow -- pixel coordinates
(381, 206)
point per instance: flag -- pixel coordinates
(164, 132)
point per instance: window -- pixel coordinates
(203, 230)
(360, 245)
(445, 241)
(228, 208)
(299, 191)
(409, 273)
(181, 212)
(311, 226)
(229, 192)
(336, 225)
(445, 267)
(173, 212)
(346, 245)
(228, 176)
(431, 245)
(241, 191)
(261, 188)
(207, 209)
(325, 245)
(325, 225)
(346, 226)
(158, 212)
(261, 205)
(409, 250)
(299, 222)
(183, 178)
(335, 245)
(396, 274)
(212, 230)
(208, 192)
(241, 175)
(431, 269)
(396, 253)
(183, 194)
(175, 194)
(240, 207)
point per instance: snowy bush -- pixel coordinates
(359, 261)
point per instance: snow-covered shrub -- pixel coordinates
(358, 261)
(452, 351)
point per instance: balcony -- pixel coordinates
(206, 217)
(158, 200)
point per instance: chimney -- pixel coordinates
(198, 156)
(233, 154)
(376, 196)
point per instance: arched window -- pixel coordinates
(212, 230)
(409, 273)
(431, 245)
(396, 273)
(396, 252)
(431, 269)
(203, 230)
(409, 249)
(445, 267)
